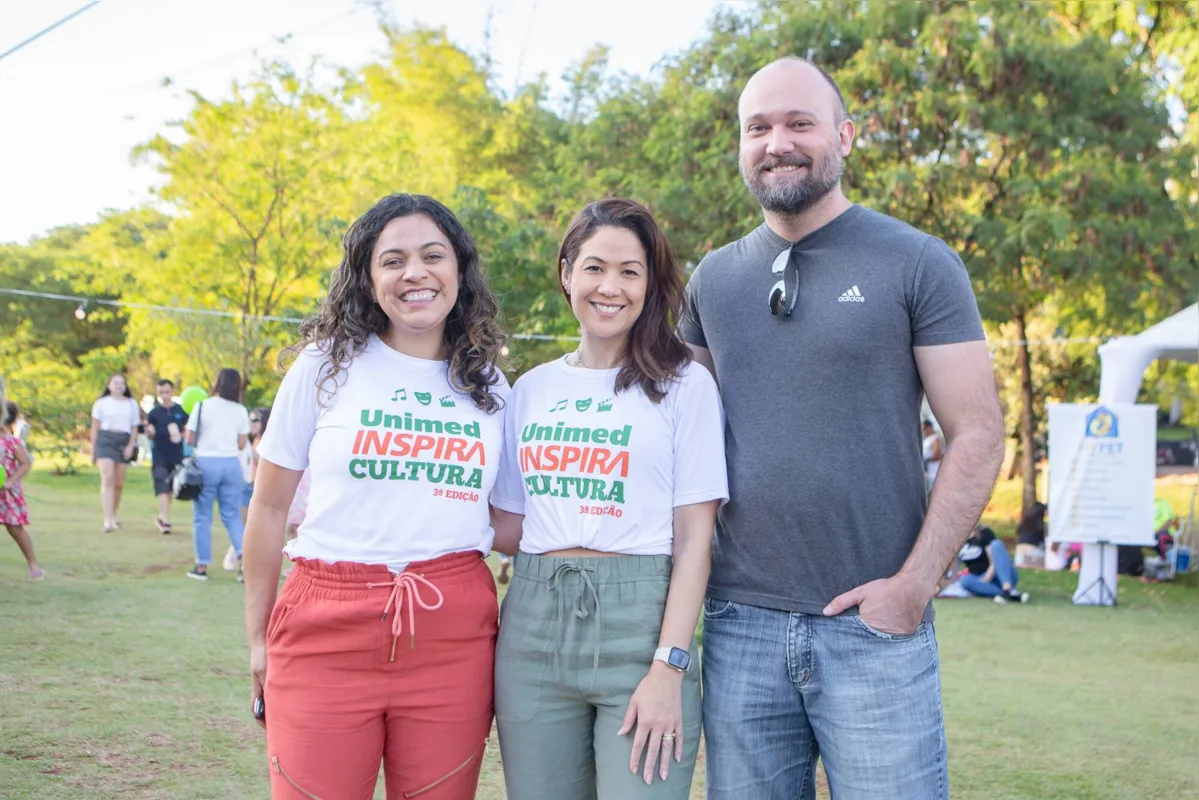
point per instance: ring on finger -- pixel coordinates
(668, 737)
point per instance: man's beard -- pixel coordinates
(793, 197)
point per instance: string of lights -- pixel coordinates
(81, 313)
(84, 302)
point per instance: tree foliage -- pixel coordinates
(1052, 144)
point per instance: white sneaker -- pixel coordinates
(1000, 599)
(230, 562)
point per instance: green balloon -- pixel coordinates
(191, 395)
(1161, 513)
(3, 476)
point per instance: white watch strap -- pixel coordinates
(662, 654)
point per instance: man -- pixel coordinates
(165, 425)
(822, 327)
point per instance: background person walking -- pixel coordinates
(165, 425)
(14, 513)
(218, 431)
(115, 418)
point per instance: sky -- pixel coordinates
(74, 103)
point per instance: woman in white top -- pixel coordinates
(217, 431)
(934, 451)
(382, 643)
(115, 417)
(613, 471)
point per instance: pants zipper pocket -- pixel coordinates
(429, 787)
(288, 778)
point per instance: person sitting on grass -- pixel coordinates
(14, 513)
(989, 570)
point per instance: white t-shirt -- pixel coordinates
(221, 421)
(931, 467)
(592, 468)
(400, 464)
(119, 414)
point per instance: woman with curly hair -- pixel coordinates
(382, 641)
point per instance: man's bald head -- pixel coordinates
(799, 69)
(795, 135)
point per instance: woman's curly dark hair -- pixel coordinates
(349, 314)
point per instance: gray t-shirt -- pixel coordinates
(826, 476)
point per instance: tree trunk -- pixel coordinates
(1015, 465)
(1028, 449)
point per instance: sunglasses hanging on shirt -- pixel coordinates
(778, 299)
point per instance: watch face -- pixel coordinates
(679, 659)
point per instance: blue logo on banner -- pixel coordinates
(1103, 424)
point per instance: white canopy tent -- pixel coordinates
(1123, 361)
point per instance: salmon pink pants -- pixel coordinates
(364, 666)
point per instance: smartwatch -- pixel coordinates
(675, 658)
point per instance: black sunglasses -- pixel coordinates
(255, 419)
(779, 304)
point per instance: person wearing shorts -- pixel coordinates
(165, 425)
(612, 474)
(381, 645)
(115, 419)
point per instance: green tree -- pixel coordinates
(1029, 146)
(255, 186)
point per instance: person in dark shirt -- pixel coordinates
(989, 569)
(1031, 530)
(165, 424)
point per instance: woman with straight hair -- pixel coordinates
(259, 417)
(612, 476)
(381, 645)
(218, 430)
(115, 417)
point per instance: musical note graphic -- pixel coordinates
(558, 407)
(401, 394)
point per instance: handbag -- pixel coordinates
(188, 480)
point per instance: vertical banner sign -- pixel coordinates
(1102, 461)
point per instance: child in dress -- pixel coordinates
(14, 514)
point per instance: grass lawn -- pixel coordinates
(121, 678)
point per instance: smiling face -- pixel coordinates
(414, 276)
(794, 137)
(607, 283)
(116, 386)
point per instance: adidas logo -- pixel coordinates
(851, 296)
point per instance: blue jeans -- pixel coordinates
(223, 483)
(781, 689)
(1004, 573)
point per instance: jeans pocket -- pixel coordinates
(717, 609)
(890, 637)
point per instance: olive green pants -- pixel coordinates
(577, 635)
